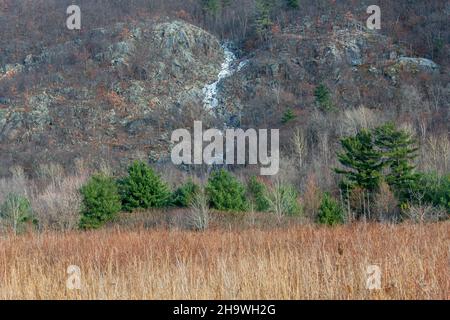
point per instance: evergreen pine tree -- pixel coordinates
(363, 162)
(226, 192)
(330, 211)
(143, 188)
(263, 20)
(293, 4)
(398, 149)
(101, 201)
(288, 116)
(258, 194)
(323, 97)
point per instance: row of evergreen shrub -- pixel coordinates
(142, 188)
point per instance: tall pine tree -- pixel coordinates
(399, 150)
(362, 161)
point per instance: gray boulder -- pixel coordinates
(418, 63)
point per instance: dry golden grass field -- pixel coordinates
(299, 262)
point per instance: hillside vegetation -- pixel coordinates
(87, 180)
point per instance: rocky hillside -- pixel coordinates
(116, 93)
(358, 66)
(111, 93)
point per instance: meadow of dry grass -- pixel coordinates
(299, 262)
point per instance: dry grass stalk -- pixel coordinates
(303, 262)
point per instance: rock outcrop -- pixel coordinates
(109, 92)
(118, 92)
(360, 67)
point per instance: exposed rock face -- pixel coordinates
(348, 47)
(411, 65)
(420, 63)
(114, 91)
(358, 66)
(184, 39)
(118, 92)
